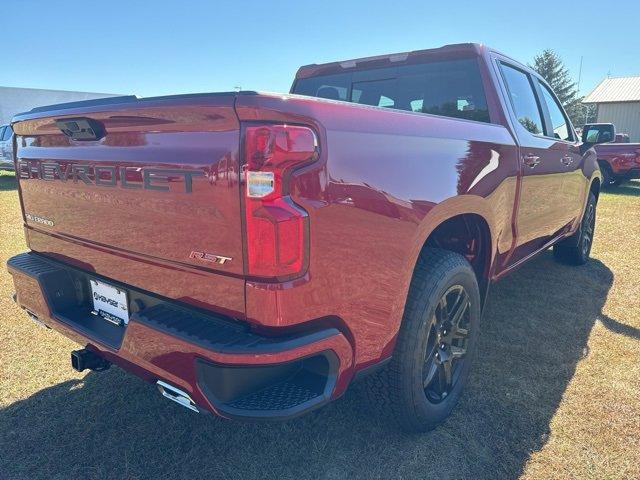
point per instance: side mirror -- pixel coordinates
(593, 133)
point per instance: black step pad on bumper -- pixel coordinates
(55, 282)
(220, 336)
(32, 265)
(281, 396)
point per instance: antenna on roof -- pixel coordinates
(580, 73)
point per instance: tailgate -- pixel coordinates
(153, 179)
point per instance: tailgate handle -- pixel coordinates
(81, 128)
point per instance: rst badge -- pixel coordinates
(210, 257)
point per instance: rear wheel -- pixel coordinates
(435, 345)
(576, 249)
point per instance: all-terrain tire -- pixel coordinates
(576, 249)
(400, 386)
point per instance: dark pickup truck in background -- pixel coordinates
(253, 254)
(619, 160)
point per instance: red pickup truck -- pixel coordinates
(619, 160)
(254, 254)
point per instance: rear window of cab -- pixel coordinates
(451, 88)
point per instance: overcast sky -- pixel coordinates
(166, 47)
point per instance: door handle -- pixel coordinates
(531, 160)
(567, 160)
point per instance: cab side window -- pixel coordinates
(332, 87)
(6, 134)
(559, 127)
(523, 99)
(450, 88)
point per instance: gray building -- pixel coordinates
(618, 102)
(16, 100)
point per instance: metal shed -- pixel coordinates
(618, 101)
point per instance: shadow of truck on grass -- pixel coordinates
(631, 189)
(112, 425)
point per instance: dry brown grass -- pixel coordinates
(555, 392)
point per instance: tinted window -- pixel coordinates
(452, 88)
(559, 123)
(333, 87)
(379, 93)
(2, 132)
(523, 99)
(7, 133)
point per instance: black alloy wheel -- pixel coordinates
(436, 343)
(576, 250)
(446, 344)
(588, 226)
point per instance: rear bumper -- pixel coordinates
(220, 363)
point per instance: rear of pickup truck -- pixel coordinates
(252, 253)
(144, 236)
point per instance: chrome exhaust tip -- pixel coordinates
(176, 395)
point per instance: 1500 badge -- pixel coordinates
(40, 220)
(156, 179)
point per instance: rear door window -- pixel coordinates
(523, 99)
(559, 127)
(450, 88)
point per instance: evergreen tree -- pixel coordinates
(550, 66)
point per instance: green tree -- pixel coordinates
(550, 66)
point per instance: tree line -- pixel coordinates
(550, 66)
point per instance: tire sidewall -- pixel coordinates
(590, 202)
(436, 412)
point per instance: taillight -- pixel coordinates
(276, 228)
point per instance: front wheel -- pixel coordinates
(435, 344)
(576, 249)
(609, 180)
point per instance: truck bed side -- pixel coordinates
(386, 179)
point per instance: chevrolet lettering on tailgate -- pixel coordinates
(107, 176)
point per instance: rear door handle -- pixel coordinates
(567, 160)
(531, 160)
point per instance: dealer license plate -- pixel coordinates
(109, 302)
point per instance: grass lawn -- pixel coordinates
(555, 392)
